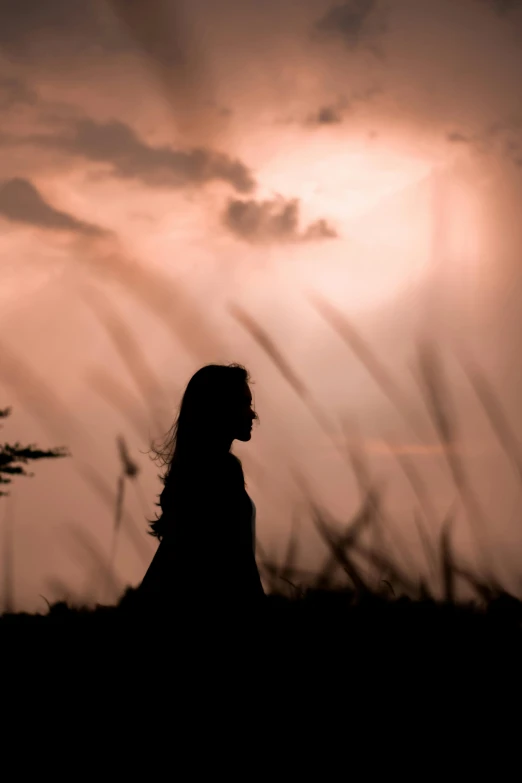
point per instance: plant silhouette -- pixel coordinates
(13, 458)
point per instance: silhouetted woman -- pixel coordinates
(207, 522)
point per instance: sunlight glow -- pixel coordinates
(382, 205)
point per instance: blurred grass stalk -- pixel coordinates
(8, 554)
(129, 472)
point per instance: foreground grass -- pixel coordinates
(327, 620)
(362, 680)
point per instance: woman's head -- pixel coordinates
(216, 409)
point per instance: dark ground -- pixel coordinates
(371, 685)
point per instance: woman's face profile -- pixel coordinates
(245, 416)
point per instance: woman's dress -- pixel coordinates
(207, 552)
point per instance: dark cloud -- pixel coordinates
(333, 113)
(326, 115)
(168, 35)
(319, 229)
(503, 7)
(158, 27)
(20, 202)
(458, 138)
(348, 20)
(116, 144)
(270, 221)
(74, 34)
(50, 27)
(14, 92)
(504, 138)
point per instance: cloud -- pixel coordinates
(14, 92)
(48, 27)
(455, 137)
(117, 36)
(173, 38)
(326, 115)
(116, 144)
(21, 202)
(319, 229)
(501, 137)
(348, 20)
(503, 7)
(160, 30)
(268, 221)
(333, 113)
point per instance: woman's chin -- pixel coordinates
(245, 436)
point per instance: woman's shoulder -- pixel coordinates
(205, 473)
(234, 460)
(226, 474)
(236, 465)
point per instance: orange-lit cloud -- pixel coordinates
(355, 22)
(21, 202)
(117, 146)
(273, 220)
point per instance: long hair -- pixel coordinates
(208, 403)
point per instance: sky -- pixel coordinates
(181, 180)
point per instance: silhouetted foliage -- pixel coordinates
(14, 457)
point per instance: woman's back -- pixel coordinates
(206, 554)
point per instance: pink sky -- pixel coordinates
(171, 163)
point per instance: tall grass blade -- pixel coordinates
(340, 324)
(382, 522)
(428, 511)
(165, 299)
(267, 344)
(447, 562)
(120, 495)
(426, 542)
(339, 549)
(8, 555)
(141, 542)
(437, 399)
(495, 414)
(132, 355)
(55, 417)
(290, 560)
(121, 400)
(348, 539)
